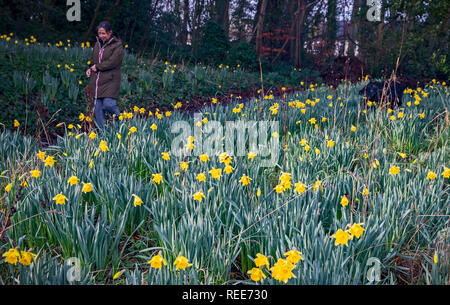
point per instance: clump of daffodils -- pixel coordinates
(25, 258)
(280, 271)
(342, 237)
(284, 183)
(180, 263)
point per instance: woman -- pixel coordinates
(106, 72)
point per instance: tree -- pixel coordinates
(91, 25)
(147, 26)
(221, 14)
(260, 25)
(214, 44)
(331, 25)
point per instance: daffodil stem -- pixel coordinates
(128, 156)
(284, 130)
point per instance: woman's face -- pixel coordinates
(103, 34)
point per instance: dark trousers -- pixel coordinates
(105, 104)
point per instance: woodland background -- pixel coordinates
(305, 34)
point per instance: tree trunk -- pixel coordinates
(221, 14)
(353, 34)
(184, 30)
(331, 25)
(147, 26)
(298, 32)
(91, 25)
(177, 12)
(255, 21)
(111, 11)
(380, 38)
(260, 25)
(198, 9)
(226, 23)
(294, 21)
(47, 5)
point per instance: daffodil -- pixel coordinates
(245, 180)
(198, 196)
(41, 155)
(137, 200)
(261, 260)
(189, 146)
(403, 155)
(446, 172)
(256, 274)
(394, 170)
(49, 161)
(356, 230)
(60, 199)
(341, 237)
(87, 187)
(300, 187)
(216, 173)
(317, 185)
(12, 256)
(431, 175)
(365, 192)
(26, 258)
(376, 163)
(228, 169)
(285, 178)
(117, 274)
(201, 177)
(24, 183)
(204, 158)
(225, 158)
(184, 165)
(282, 270)
(344, 201)
(181, 263)
(165, 155)
(293, 256)
(279, 188)
(73, 180)
(103, 146)
(157, 261)
(157, 178)
(35, 173)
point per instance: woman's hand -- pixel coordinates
(94, 68)
(88, 72)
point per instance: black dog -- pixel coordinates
(393, 93)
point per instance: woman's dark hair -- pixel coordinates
(107, 26)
